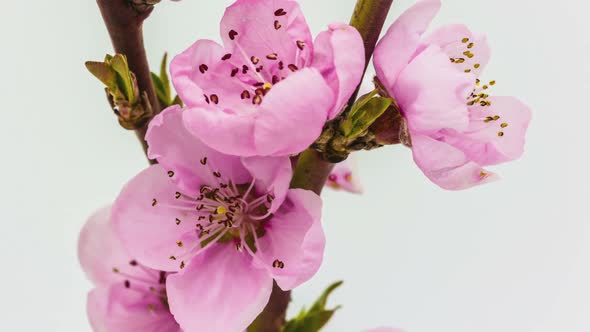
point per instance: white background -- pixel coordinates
(512, 256)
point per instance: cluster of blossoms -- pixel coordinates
(195, 242)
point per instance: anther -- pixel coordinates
(245, 69)
(275, 79)
(280, 12)
(200, 207)
(133, 263)
(277, 264)
(255, 60)
(301, 44)
(170, 173)
(234, 72)
(293, 67)
(465, 40)
(154, 202)
(233, 34)
(179, 244)
(477, 65)
(272, 56)
(178, 221)
(217, 174)
(214, 99)
(257, 100)
(207, 99)
(203, 68)
(151, 307)
(281, 65)
(204, 161)
(172, 258)
(245, 95)
(277, 25)
(127, 284)
(470, 45)
(259, 69)
(116, 270)
(226, 57)
(504, 125)
(500, 133)
(177, 195)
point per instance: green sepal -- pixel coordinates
(316, 317)
(125, 79)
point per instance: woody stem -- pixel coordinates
(125, 26)
(312, 171)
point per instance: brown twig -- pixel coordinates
(312, 171)
(124, 23)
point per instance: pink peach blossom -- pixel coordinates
(227, 225)
(269, 90)
(344, 176)
(128, 297)
(456, 127)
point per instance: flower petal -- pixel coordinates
(178, 151)
(117, 309)
(99, 250)
(496, 133)
(447, 166)
(295, 239)
(458, 42)
(200, 71)
(219, 291)
(145, 216)
(227, 131)
(396, 48)
(339, 55)
(258, 28)
(293, 114)
(272, 174)
(345, 177)
(432, 93)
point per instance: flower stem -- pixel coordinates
(312, 171)
(125, 26)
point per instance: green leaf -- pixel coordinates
(160, 90)
(124, 77)
(362, 101)
(177, 101)
(104, 73)
(316, 317)
(162, 84)
(367, 114)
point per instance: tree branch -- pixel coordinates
(124, 23)
(312, 172)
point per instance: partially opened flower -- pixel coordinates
(227, 225)
(345, 177)
(456, 127)
(270, 88)
(128, 296)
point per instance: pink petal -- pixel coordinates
(340, 58)
(228, 131)
(117, 309)
(200, 71)
(294, 237)
(298, 106)
(149, 228)
(490, 142)
(272, 174)
(255, 25)
(447, 166)
(455, 40)
(99, 250)
(432, 93)
(396, 48)
(219, 291)
(179, 151)
(345, 177)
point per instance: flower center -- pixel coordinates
(225, 213)
(257, 73)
